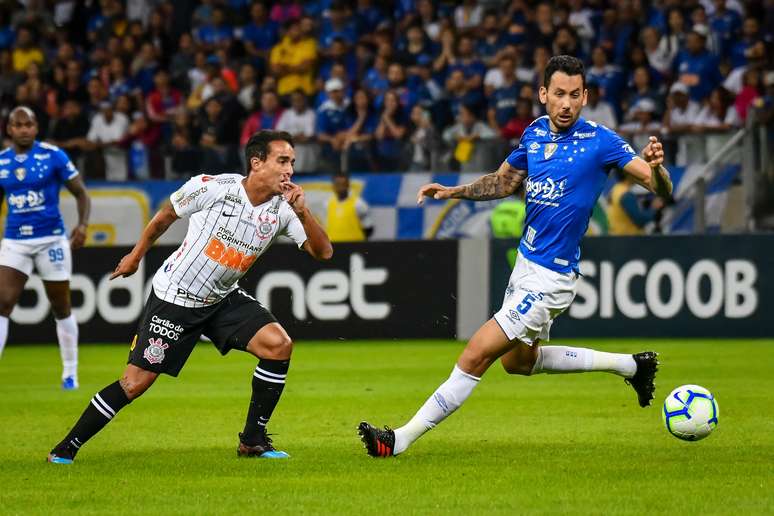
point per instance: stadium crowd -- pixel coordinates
(140, 89)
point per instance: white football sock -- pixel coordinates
(564, 359)
(3, 333)
(445, 400)
(67, 334)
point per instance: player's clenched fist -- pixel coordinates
(435, 191)
(653, 153)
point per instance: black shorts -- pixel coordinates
(167, 333)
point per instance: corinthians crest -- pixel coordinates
(549, 150)
(154, 353)
(265, 226)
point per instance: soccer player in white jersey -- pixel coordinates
(233, 220)
(565, 161)
(31, 175)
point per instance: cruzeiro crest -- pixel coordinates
(20, 173)
(549, 150)
(154, 353)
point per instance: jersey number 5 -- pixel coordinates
(526, 304)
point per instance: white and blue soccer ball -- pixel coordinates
(690, 412)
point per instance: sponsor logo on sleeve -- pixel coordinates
(191, 197)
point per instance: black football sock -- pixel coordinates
(268, 382)
(103, 407)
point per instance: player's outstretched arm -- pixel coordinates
(155, 228)
(83, 202)
(649, 171)
(317, 244)
(496, 185)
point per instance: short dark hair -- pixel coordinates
(258, 144)
(566, 64)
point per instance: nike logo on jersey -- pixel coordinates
(228, 214)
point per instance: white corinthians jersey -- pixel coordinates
(226, 234)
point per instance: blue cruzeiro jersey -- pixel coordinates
(31, 182)
(566, 172)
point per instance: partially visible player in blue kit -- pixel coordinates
(31, 175)
(563, 161)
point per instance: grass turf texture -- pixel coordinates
(548, 444)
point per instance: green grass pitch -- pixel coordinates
(543, 445)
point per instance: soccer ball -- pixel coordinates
(690, 412)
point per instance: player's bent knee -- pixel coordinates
(272, 342)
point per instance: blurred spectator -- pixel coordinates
(337, 25)
(144, 66)
(673, 38)
(163, 102)
(468, 16)
(142, 140)
(26, 49)
(107, 131)
(265, 118)
(428, 19)
(186, 153)
(716, 121)
(70, 130)
(360, 135)
(678, 120)
(750, 91)
(248, 86)
(390, 132)
(658, 58)
(697, 68)
(598, 110)
(624, 213)
(218, 137)
(466, 60)
(332, 123)
(458, 94)
(215, 32)
(607, 76)
(120, 83)
(425, 142)
(285, 11)
(463, 136)
(502, 99)
(523, 116)
(640, 87)
(347, 216)
(750, 47)
(261, 34)
(293, 60)
(641, 123)
(725, 25)
(299, 121)
(183, 64)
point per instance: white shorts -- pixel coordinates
(50, 257)
(534, 297)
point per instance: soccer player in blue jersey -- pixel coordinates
(31, 174)
(564, 161)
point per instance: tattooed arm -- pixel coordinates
(496, 185)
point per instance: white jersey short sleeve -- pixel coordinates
(226, 234)
(195, 195)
